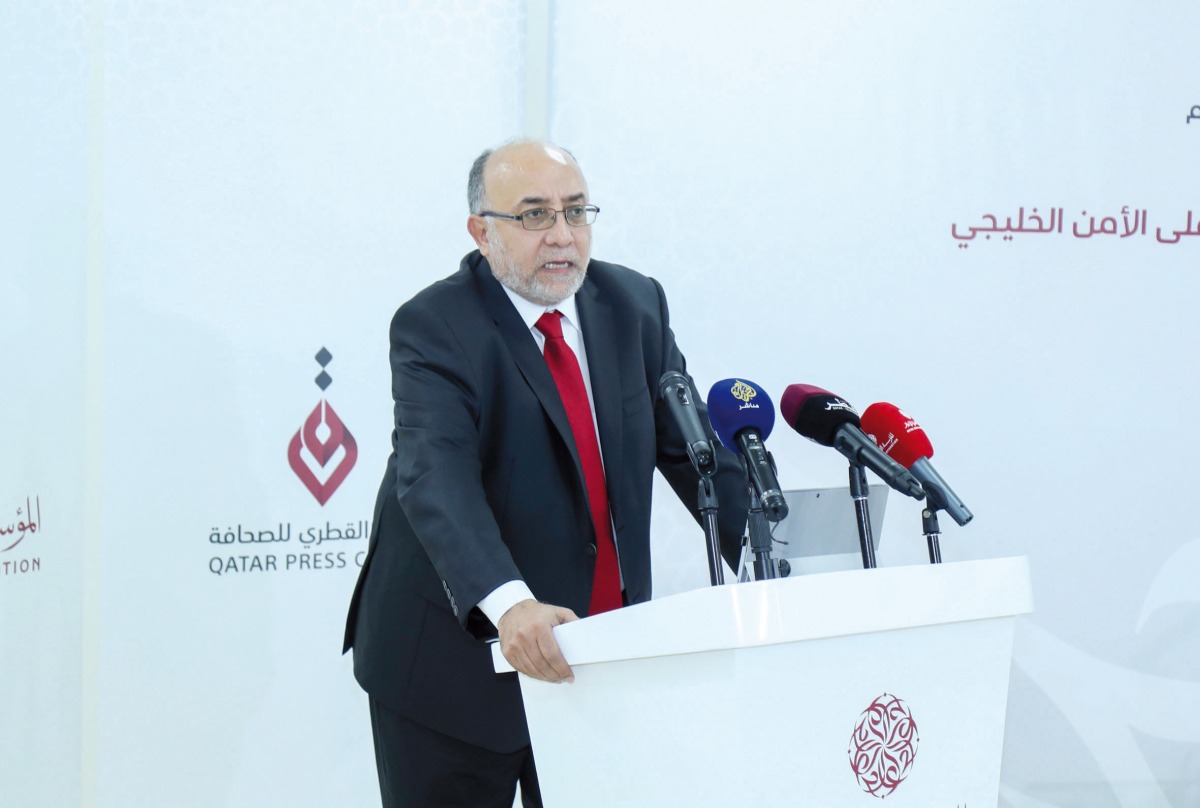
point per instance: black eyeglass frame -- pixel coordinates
(589, 216)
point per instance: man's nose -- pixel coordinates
(559, 233)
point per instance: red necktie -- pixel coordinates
(564, 367)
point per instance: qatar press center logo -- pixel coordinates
(883, 745)
(322, 452)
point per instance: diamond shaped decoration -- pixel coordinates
(323, 380)
(323, 357)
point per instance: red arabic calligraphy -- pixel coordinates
(1130, 223)
(24, 525)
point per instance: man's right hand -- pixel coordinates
(527, 642)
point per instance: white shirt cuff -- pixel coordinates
(503, 598)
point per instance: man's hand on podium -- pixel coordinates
(528, 644)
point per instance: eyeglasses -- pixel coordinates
(544, 218)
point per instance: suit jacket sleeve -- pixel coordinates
(438, 466)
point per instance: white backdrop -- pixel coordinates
(44, 203)
(200, 197)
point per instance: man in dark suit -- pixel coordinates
(500, 514)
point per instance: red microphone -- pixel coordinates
(902, 439)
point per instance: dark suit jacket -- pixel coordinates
(484, 486)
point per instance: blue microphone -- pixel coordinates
(742, 415)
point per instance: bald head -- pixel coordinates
(506, 158)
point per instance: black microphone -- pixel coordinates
(742, 415)
(680, 398)
(822, 417)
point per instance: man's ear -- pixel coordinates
(477, 226)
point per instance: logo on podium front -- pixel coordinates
(322, 452)
(883, 745)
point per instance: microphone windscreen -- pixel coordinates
(736, 404)
(815, 413)
(897, 433)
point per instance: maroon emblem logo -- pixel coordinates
(313, 452)
(883, 746)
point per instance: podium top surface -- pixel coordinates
(807, 607)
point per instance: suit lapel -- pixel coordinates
(601, 338)
(529, 360)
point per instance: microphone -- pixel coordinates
(822, 417)
(742, 415)
(677, 390)
(901, 438)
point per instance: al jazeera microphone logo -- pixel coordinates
(743, 392)
(322, 452)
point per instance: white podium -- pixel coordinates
(827, 690)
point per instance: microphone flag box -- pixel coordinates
(821, 531)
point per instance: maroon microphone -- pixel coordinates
(829, 420)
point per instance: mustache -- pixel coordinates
(572, 257)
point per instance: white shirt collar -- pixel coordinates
(532, 312)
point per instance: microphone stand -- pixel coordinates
(760, 538)
(929, 524)
(858, 493)
(706, 496)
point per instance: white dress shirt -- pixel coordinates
(509, 594)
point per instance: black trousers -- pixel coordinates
(421, 768)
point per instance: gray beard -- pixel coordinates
(533, 289)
